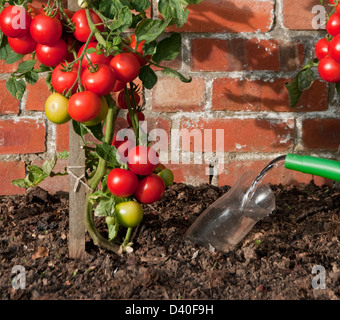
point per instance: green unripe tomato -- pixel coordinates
(129, 214)
(167, 176)
(110, 220)
(56, 109)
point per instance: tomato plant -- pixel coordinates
(85, 56)
(325, 64)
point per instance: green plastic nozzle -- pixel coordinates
(317, 166)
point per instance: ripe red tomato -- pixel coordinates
(84, 106)
(45, 29)
(119, 85)
(142, 160)
(122, 183)
(101, 81)
(123, 147)
(62, 81)
(126, 66)
(52, 55)
(150, 189)
(334, 48)
(329, 69)
(139, 50)
(321, 48)
(101, 116)
(93, 57)
(82, 31)
(15, 21)
(121, 101)
(23, 45)
(140, 116)
(333, 24)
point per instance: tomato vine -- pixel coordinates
(121, 40)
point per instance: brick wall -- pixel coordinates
(239, 53)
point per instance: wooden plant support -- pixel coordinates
(77, 190)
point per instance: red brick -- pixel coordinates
(22, 136)
(62, 138)
(235, 169)
(242, 135)
(230, 16)
(37, 95)
(192, 174)
(58, 183)
(9, 171)
(245, 54)
(8, 104)
(172, 95)
(259, 95)
(321, 133)
(298, 15)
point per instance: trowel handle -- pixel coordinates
(317, 166)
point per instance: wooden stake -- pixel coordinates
(77, 196)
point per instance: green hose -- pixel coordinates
(317, 166)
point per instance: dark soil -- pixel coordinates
(274, 261)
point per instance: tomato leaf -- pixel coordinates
(150, 30)
(106, 207)
(110, 8)
(140, 5)
(26, 66)
(79, 129)
(148, 77)
(302, 82)
(48, 165)
(122, 20)
(13, 57)
(168, 49)
(96, 131)
(108, 153)
(113, 231)
(16, 87)
(5, 49)
(31, 77)
(175, 74)
(173, 11)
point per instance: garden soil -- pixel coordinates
(274, 261)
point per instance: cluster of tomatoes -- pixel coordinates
(46, 33)
(139, 180)
(55, 46)
(327, 50)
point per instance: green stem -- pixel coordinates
(127, 238)
(132, 113)
(97, 238)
